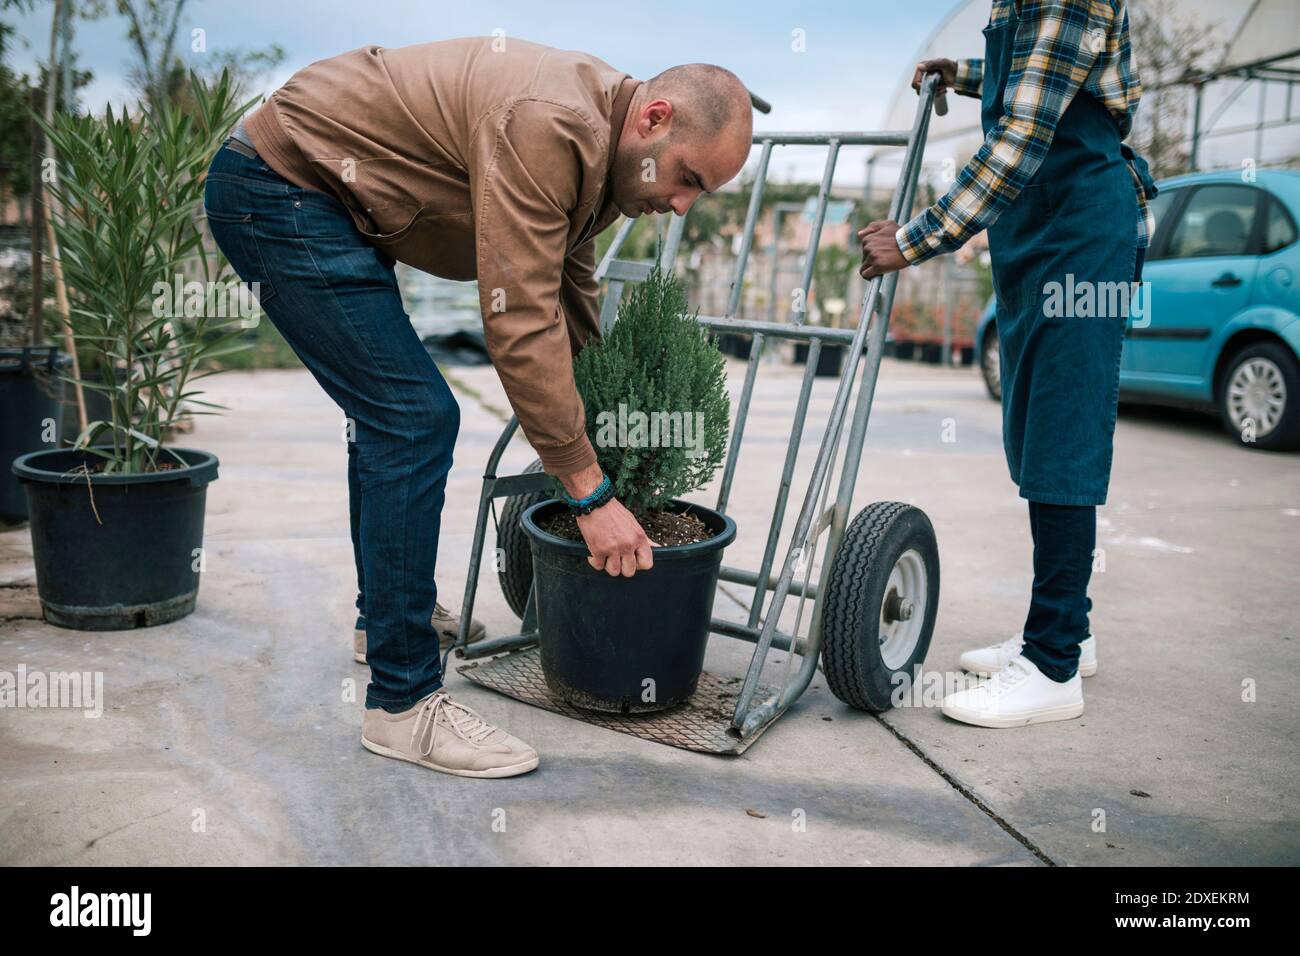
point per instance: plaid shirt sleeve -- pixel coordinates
(1053, 52)
(969, 78)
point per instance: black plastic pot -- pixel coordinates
(624, 645)
(729, 343)
(135, 565)
(31, 393)
(829, 361)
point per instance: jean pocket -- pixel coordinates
(320, 215)
(227, 217)
(236, 238)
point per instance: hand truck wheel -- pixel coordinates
(514, 559)
(881, 600)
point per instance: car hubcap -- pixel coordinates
(902, 614)
(993, 364)
(1256, 394)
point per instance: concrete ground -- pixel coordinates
(232, 736)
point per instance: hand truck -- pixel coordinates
(876, 598)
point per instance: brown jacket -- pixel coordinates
(481, 158)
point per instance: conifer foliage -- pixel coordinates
(655, 392)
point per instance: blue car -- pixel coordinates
(1221, 330)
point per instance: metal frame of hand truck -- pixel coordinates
(815, 518)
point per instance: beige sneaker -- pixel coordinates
(441, 734)
(446, 623)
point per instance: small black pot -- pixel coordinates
(603, 638)
(31, 392)
(735, 345)
(138, 564)
(829, 361)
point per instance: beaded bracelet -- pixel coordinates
(585, 506)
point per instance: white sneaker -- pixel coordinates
(990, 660)
(1017, 695)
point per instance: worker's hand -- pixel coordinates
(947, 70)
(880, 252)
(617, 543)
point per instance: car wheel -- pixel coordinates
(991, 364)
(1259, 397)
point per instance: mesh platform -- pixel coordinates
(702, 723)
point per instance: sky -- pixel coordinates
(855, 54)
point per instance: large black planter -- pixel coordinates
(137, 564)
(31, 393)
(624, 645)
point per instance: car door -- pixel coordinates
(1166, 202)
(1202, 275)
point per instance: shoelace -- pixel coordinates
(1012, 644)
(467, 725)
(1004, 680)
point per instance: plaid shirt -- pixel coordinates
(1060, 48)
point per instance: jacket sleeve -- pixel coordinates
(528, 163)
(579, 295)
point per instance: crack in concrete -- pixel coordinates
(925, 758)
(948, 778)
(966, 792)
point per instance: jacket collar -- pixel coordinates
(622, 100)
(618, 116)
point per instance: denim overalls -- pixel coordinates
(1074, 223)
(1077, 217)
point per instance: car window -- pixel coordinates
(1279, 230)
(1216, 221)
(1159, 208)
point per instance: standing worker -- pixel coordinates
(1060, 195)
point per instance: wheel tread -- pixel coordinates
(845, 605)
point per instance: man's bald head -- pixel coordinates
(687, 131)
(707, 98)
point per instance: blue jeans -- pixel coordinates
(1057, 623)
(334, 298)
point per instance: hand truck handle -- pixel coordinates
(940, 99)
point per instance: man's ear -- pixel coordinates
(654, 114)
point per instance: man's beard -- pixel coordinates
(628, 188)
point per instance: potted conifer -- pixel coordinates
(117, 519)
(657, 414)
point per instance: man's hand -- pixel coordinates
(947, 70)
(880, 253)
(617, 543)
